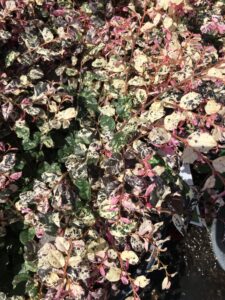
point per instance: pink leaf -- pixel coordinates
(39, 232)
(150, 188)
(125, 220)
(26, 102)
(58, 12)
(15, 176)
(148, 205)
(114, 199)
(109, 237)
(25, 210)
(146, 244)
(221, 28)
(128, 204)
(102, 271)
(124, 280)
(2, 147)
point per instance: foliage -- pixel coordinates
(101, 102)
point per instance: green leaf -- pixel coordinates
(119, 140)
(35, 74)
(123, 107)
(47, 141)
(89, 99)
(84, 189)
(32, 290)
(107, 123)
(156, 161)
(51, 168)
(22, 131)
(30, 266)
(31, 144)
(27, 235)
(20, 278)
(10, 58)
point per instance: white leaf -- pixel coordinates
(159, 136)
(141, 95)
(177, 2)
(171, 122)
(190, 101)
(201, 141)
(155, 112)
(113, 274)
(62, 244)
(157, 19)
(108, 110)
(130, 256)
(56, 259)
(137, 243)
(67, 114)
(112, 254)
(56, 219)
(51, 279)
(99, 63)
(10, 5)
(219, 164)
(47, 35)
(140, 61)
(147, 27)
(173, 50)
(39, 2)
(212, 107)
(141, 281)
(168, 22)
(7, 108)
(159, 170)
(115, 65)
(163, 4)
(189, 155)
(119, 84)
(218, 134)
(166, 283)
(210, 183)
(145, 227)
(137, 81)
(217, 72)
(74, 261)
(76, 290)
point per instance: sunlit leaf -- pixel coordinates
(130, 256)
(141, 281)
(201, 141)
(47, 35)
(190, 101)
(113, 275)
(56, 259)
(166, 283)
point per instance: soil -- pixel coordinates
(203, 278)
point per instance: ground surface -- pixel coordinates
(204, 279)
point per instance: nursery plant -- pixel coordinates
(102, 102)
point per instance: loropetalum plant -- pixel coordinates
(101, 102)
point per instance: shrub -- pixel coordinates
(101, 102)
